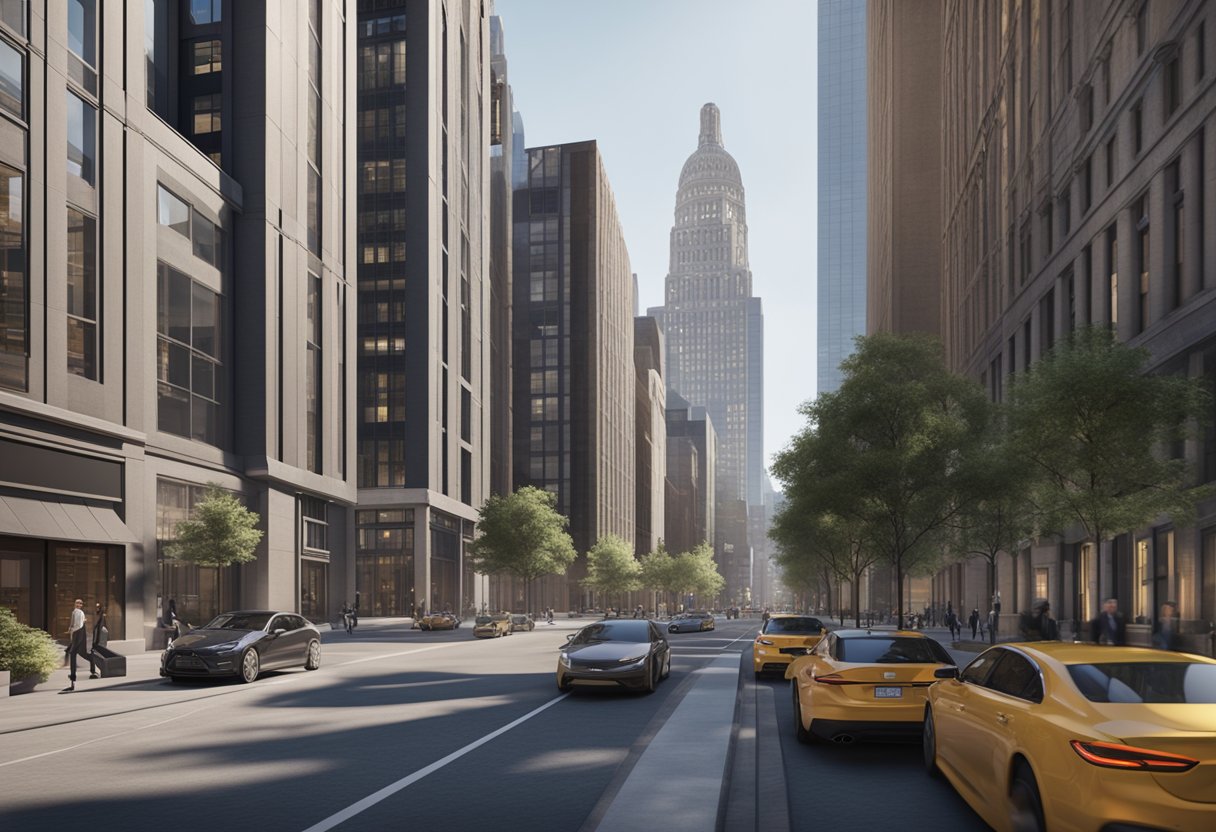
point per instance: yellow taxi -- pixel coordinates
(492, 626)
(1060, 736)
(862, 684)
(438, 621)
(782, 639)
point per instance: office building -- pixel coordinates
(574, 379)
(425, 319)
(651, 442)
(692, 462)
(174, 304)
(842, 185)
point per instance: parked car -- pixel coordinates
(522, 621)
(492, 626)
(1061, 736)
(858, 684)
(691, 622)
(628, 652)
(438, 621)
(783, 638)
(244, 644)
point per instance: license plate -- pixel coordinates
(888, 693)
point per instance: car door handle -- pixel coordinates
(1003, 719)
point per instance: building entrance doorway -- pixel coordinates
(91, 573)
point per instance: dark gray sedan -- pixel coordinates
(243, 644)
(629, 653)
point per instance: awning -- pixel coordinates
(54, 520)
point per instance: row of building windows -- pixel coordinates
(382, 65)
(188, 362)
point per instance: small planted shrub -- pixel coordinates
(26, 651)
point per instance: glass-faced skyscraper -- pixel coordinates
(714, 327)
(842, 184)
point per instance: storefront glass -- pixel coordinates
(22, 579)
(92, 574)
(314, 597)
(198, 593)
(384, 557)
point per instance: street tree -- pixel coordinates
(522, 534)
(658, 572)
(890, 450)
(219, 532)
(611, 567)
(829, 546)
(1106, 437)
(701, 570)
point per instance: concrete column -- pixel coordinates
(1160, 263)
(1099, 304)
(1192, 232)
(422, 557)
(1207, 278)
(1129, 278)
(1083, 272)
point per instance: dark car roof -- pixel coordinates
(855, 633)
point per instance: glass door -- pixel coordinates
(77, 572)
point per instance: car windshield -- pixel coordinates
(892, 651)
(622, 630)
(239, 621)
(793, 627)
(483, 619)
(1150, 683)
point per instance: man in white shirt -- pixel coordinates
(78, 645)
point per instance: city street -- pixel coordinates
(458, 733)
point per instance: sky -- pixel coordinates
(633, 75)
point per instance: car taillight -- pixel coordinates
(763, 641)
(835, 679)
(1110, 755)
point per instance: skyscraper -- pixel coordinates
(842, 185)
(175, 305)
(713, 326)
(574, 378)
(424, 290)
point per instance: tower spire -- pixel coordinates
(711, 125)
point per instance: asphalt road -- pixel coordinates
(408, 730)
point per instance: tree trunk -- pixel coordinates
(899, 592)
(856, 593)
(991, 595)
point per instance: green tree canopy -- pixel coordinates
(1105, 436)
(658, 570)
(890, 451)
(696, 572)
(522, 534)
(219, 532)
(611, 567)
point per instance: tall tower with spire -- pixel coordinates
(715, 335)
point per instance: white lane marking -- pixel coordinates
(391, 789)
(736, 641)
(99, 739)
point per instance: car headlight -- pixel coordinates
(225, 647)
(633, 659)
(563, 659)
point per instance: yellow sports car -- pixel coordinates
(438, 621)
(1049, 735)
(492, 626)
(782, 639)
(858, 684)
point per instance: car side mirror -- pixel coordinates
(946, 673)
(570, 637)
(279, 631)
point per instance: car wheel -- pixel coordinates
(250, 666)
(928, 743)
(564, 687)
(804, 736)
(313, 662)
(1025, 805)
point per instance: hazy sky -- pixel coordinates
(633, 74)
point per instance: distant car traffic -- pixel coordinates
(438, 621)
(857, 684)
(1052, 735)
(243, 644)
(492, 626)
(522, 621)
(783, 638)
(691, 622)
(631, 653)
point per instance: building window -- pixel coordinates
(207, 118)
(1200, 51)
(1111, 148)
(1140, 212)
(207, 57)
(382, 65)
(203, 12)
(1141, 27)
(12, 13)
(313, 140)
(188, 357)
(207, 240)
(316, 524)
(1087, 108)
(1141, 581)
(1173, 179)
(1040, 582)
(1137, 128)
(1171, 81)
(1065, 201)
(1087, 183)
(312, 402)
(82, 30)
(14, 289)
(172, 212)
(1112, 284)
(12, 80)
(82, 138)
(82, 300)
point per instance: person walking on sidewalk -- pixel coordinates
(78, 645)
(974, 621)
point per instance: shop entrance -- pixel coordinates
(91, 573)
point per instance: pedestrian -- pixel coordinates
(765, 616)
(1109, 627)
(171, 619)
(78, 645)
(1166, 635)
(1038, 625)
(346, 616)
(101, 633)
(549, 615)
(974, 621)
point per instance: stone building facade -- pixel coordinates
(176, 305)
(1079, 156)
